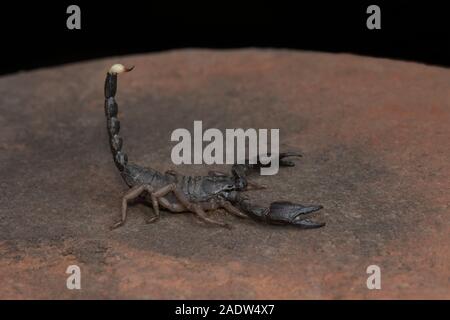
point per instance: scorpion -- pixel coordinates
(196, 194)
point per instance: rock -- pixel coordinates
(374, 134)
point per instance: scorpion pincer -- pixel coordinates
(197, 194)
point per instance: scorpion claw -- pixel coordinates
(284, 212)
(308, 224)
(288, 163)
(290, 154)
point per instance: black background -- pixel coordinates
(34, 34)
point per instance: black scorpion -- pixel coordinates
(198, 194)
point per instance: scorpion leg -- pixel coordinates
(232, 209)
(172, 172)
(193, 207)
(198, 210)
(213, 173)
(172, 207)
(132, 194)
(215, 204)
(241, 171)
(253, 185)
(247, 167)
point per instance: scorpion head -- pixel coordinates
(226, 189)
(239, 183)
(233, 196)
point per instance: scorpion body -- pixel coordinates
(197, 194)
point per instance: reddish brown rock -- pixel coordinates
(375, 137)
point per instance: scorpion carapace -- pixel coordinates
(178, 193)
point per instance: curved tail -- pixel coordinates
(111, 110)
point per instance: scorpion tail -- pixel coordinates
(111, 110)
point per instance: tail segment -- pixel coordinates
(111, 110)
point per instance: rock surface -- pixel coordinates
(375, 138)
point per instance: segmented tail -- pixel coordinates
(111, 110)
